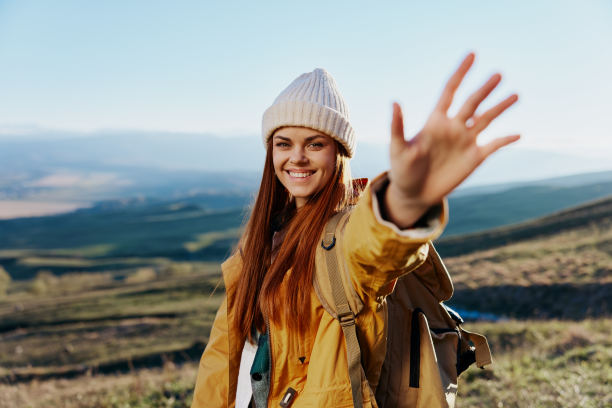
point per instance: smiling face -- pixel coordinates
(304, 160)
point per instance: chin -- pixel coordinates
(301, 194)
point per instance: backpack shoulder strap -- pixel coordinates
(321, 279)
(344, 314)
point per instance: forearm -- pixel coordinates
(376, 250)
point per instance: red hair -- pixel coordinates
(258, 291)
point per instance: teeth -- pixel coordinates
(292, 174)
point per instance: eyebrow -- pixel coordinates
(308, 139)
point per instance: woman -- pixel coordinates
(272, 343)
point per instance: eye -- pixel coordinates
(316, 145)
(282, 144)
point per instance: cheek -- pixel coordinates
(330, 165)
(277, 162)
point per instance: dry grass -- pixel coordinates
(204, 240)
(537, 364)
(104, 323)
(169, 386)
(543, 364)
(94, 318)
(577, 257)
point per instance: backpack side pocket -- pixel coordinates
(410, 374)
(447, 343)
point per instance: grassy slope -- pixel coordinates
(537, 364)
(589, 215)
(145, 232)
(542, 364)
(159, 313)
(563, 275)
(479, 212)
(98, 241)
(108, 326)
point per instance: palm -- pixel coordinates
(444, 153)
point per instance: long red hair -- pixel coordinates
(258, 291)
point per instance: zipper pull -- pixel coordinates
(288, 397)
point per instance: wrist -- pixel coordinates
(405, 201)
(396, 207)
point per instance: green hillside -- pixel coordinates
(480, 212)
(593, 214)
(115, 235)
(116, 238)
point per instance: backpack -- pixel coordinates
(426, 346)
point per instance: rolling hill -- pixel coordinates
(558, 266)
(596, 214)
(114, 234)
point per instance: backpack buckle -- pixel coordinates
(346, 319)
(328, 244)
(453, 314)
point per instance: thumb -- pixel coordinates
(397, 128)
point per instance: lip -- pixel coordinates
(300, 170)
(299, 179)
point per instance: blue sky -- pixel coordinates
(213, 67)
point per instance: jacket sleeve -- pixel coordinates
(212, 384)
(377, 251)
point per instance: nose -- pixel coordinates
(298, 156)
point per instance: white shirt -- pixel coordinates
(244, 391)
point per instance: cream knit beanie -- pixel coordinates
(312, 100)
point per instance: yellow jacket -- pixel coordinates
(375, 252)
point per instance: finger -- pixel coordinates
(471, 104)
(497, 144)
(471, 122)
(453, 83)
(397, 127)
(487, 117)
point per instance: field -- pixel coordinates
(77, 324)
(537, 364)
(95, 327)
(550, 363)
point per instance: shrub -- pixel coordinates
(5, 281)
(141, 275)
(43, 281)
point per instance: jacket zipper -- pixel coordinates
(271, 357)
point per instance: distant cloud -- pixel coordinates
(79, 180)
(15, 129)
(31, 208)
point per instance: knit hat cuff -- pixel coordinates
(311, 115)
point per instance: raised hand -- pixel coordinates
(426, 168)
